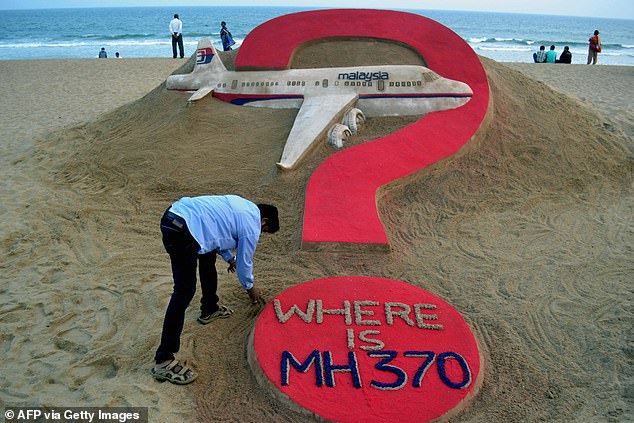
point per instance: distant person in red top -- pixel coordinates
(594, 48)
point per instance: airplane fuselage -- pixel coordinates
(323, 96)
(381, 90)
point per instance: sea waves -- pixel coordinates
(520, 50)
(143, 32)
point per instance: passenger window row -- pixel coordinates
(427, 77)
(357, 83)
(406, 84)
(258, 84)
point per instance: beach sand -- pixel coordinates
(527, 231)
(609, 90)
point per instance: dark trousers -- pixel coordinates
(178, 40)
(183, 251)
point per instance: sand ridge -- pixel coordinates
(526, 231)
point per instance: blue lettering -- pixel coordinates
(288, 359)
(364, 76)
(430, 356)
(442, 359)
(387, 356)
(352, 367)
(325, 368)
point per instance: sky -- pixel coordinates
(590, 8)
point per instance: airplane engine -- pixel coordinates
(354, 119)
(338, 134)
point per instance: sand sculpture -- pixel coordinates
(323, 96)
(358, 348)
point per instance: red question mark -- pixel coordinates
(341, 194)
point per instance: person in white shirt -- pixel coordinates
(176, 29)
(195, 230)
(540, 55)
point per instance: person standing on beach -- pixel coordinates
(194, 230)
(551, 56)
(225, 37)
(540, 55)
(102, 53)
(594, 48)
(176, 29)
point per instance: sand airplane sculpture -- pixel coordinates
(324, 96)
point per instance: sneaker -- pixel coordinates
(174, 372)
(222, 313)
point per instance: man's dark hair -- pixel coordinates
(596, 32)
(269, 212)
(176, 16)
(542, 47)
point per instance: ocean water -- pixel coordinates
(143, 32)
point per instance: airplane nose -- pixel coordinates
(466, 89)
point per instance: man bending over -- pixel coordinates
(194, 230)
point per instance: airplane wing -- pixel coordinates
(317, 114)
(200, 93)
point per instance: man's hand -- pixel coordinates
(231, 268)
(255, 295)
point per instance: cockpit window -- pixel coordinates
(429, 76)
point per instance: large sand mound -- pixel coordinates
(527, 231)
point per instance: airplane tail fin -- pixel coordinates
(207, 58)
(205, 75)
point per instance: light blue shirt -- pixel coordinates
(176, 26)
(551, 56)
(223, 224)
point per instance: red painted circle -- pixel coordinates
(445, 357)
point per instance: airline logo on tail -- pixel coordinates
(204, 55)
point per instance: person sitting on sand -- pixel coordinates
(551, 56)
(194, 230)
(540, 55)
(566, 56)
(102, 53)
